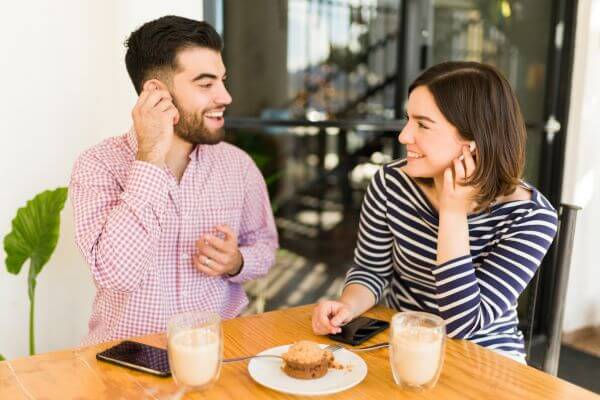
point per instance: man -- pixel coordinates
(170, 218)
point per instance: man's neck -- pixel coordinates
(178, 156)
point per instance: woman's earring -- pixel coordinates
(472, 146)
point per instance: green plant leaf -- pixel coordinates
(35, 231)
(2, 357)
(274, 177)
(261, 160)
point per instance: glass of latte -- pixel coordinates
(417, 346)
(195, 346)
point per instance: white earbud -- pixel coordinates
(472, 147)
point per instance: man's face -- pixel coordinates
(199, 94)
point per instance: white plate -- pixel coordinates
(268, 372)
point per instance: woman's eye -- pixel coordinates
(422, 126)
(206, 85)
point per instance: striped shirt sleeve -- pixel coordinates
(471, 297)
(373, 254)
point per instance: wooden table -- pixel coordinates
(470, 371)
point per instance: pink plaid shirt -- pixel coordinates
(137, 227)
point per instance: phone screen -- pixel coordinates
(138, 356)
(360, 330)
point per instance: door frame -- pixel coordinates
(561, 51)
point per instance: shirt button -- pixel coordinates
(185, 256)
(184, 293)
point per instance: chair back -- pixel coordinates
(559, 281)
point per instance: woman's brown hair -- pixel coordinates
(480, 103)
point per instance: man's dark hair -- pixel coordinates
(154, 46)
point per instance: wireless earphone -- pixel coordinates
(472, 147)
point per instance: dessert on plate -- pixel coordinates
(306, 360)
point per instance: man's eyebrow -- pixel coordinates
(206, 75)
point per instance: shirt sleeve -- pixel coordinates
(117, 228)
(373, 253)
(257, 239)
(471, 297)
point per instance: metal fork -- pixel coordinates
(372, 347)
(332, 348)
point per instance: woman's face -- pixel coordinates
(431, 141)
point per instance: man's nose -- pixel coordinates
(223, 97)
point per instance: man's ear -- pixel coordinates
(154, 84)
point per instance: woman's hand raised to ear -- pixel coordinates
(456, 197)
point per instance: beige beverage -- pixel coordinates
(194, 357)
(195, 348)
(417, 344)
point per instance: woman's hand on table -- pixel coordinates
(329, 316)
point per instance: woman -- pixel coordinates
(452, 229)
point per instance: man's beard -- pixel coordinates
(191, 128)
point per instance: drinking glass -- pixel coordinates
(417, 346)
(195, 346)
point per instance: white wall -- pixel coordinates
(64, 89)
(582, 171)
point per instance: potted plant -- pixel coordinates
(34, 235)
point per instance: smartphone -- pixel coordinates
(138, 356)
(360, 330)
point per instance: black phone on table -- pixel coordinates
(138, 356)
(360, 330)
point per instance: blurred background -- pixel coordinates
(319, 89)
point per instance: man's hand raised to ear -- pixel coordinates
(154, 117)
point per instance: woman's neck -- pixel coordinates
(438, 184)
(432, 187)
(436, 189)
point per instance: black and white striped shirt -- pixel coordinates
(476, 294)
